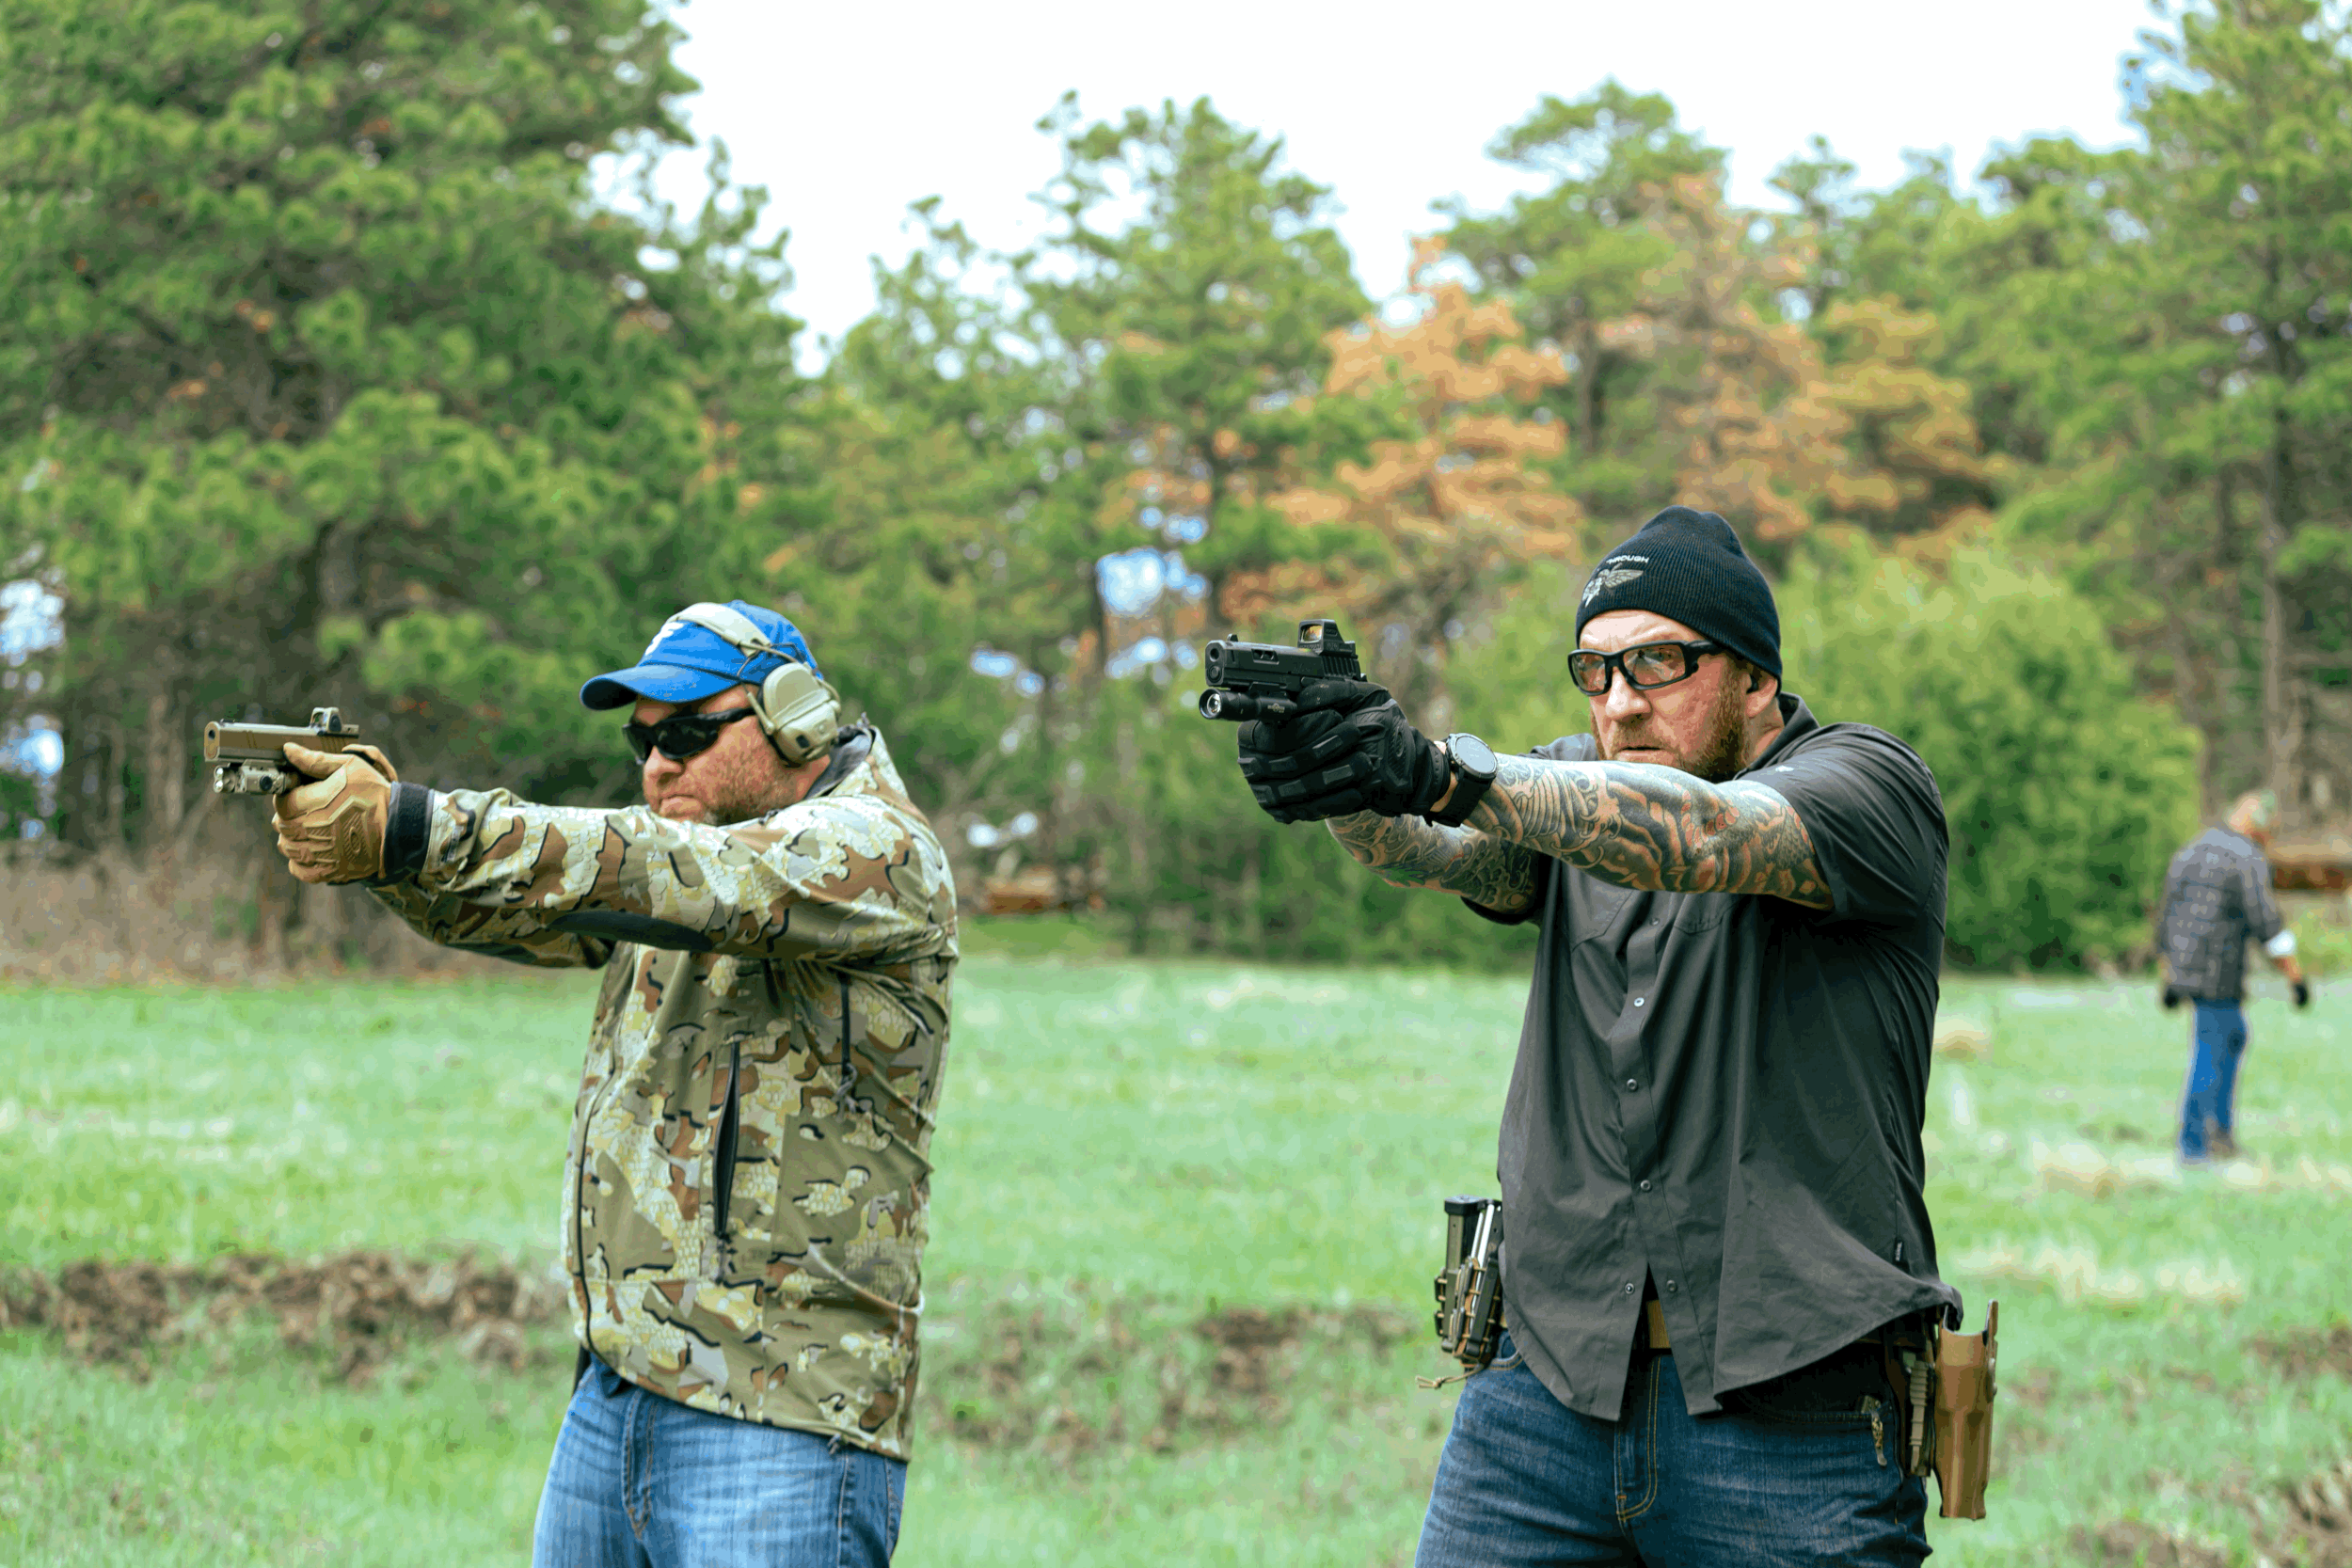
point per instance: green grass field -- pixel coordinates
(1184, 1221)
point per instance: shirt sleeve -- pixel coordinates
(1871, 807)
(2262, 908)
(2164, 900)
(839, 877)
(516, 935)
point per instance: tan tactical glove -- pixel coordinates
(333, 831)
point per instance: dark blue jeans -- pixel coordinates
(2219, 1041)
(642, 1482)
(1526, 1480)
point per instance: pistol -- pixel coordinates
(250, 759)
(1260, 680)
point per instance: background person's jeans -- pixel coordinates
(642, 1481)
(2218, 1041)
(1525, 1481)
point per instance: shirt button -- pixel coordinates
(1630, 1083)
(1670, 1287)
(1630, 1287)
(1645, 1186)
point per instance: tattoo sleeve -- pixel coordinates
(1410, 852)
(1633, 825)
(1655, 828)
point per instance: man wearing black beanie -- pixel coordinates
(1715, 1247)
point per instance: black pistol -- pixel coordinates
(1259, 680)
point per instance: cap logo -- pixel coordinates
(1613, 576)
(673, 624)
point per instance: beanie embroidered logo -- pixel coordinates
(1610, 575)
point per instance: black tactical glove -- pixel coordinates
(2171, 998)
(2302, 993)
(1285, 759)
(1344, 748)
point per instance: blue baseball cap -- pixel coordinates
(686, 661)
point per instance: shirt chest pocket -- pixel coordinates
(1694, 913)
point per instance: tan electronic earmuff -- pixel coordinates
(794, 705)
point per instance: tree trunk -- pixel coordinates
(1252, 899)
(2282, 729)
(273, 901)
(111, 784)
(2192, 696)
(1141, 890)
(163, 795)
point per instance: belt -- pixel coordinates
(1654, 1335)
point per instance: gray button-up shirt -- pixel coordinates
(1722, 1093)
(2216, 895)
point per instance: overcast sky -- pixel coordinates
(848, 113)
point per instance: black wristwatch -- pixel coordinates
(1474, 764)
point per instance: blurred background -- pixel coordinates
(420, 360)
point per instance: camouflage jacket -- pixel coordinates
(745, 1193)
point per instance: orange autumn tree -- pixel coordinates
(1778, 426)
(1444, 513)
(1915, 470)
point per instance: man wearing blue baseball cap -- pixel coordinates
(746, 1186)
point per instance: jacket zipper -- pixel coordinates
(723, 1152)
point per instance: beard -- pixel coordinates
(1723, 744)
(725, 790)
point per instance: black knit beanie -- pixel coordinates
(1688, 567)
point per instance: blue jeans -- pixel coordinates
(642, 1482)
(2219, 1041)
(1526, 1480)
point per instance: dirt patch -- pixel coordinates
(2305, 1352)
(359, 1307)
(1071, 1381)
(2130, 1543)
(1249, 1342)
(2305, 1525)
(2315, 1530)
(2033, 1387)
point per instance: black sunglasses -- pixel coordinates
(1647, 666)
(681, 735)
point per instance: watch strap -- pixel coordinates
(1469, 790)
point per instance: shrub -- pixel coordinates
(2066, 790)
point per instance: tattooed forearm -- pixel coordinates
(1410, 852)
(1647, 826)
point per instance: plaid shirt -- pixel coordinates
(2216, 895)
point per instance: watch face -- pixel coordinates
(1475, 756)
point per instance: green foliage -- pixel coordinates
(1510, 680)
(1580, 256)
(324, 379)
(2064, 790)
